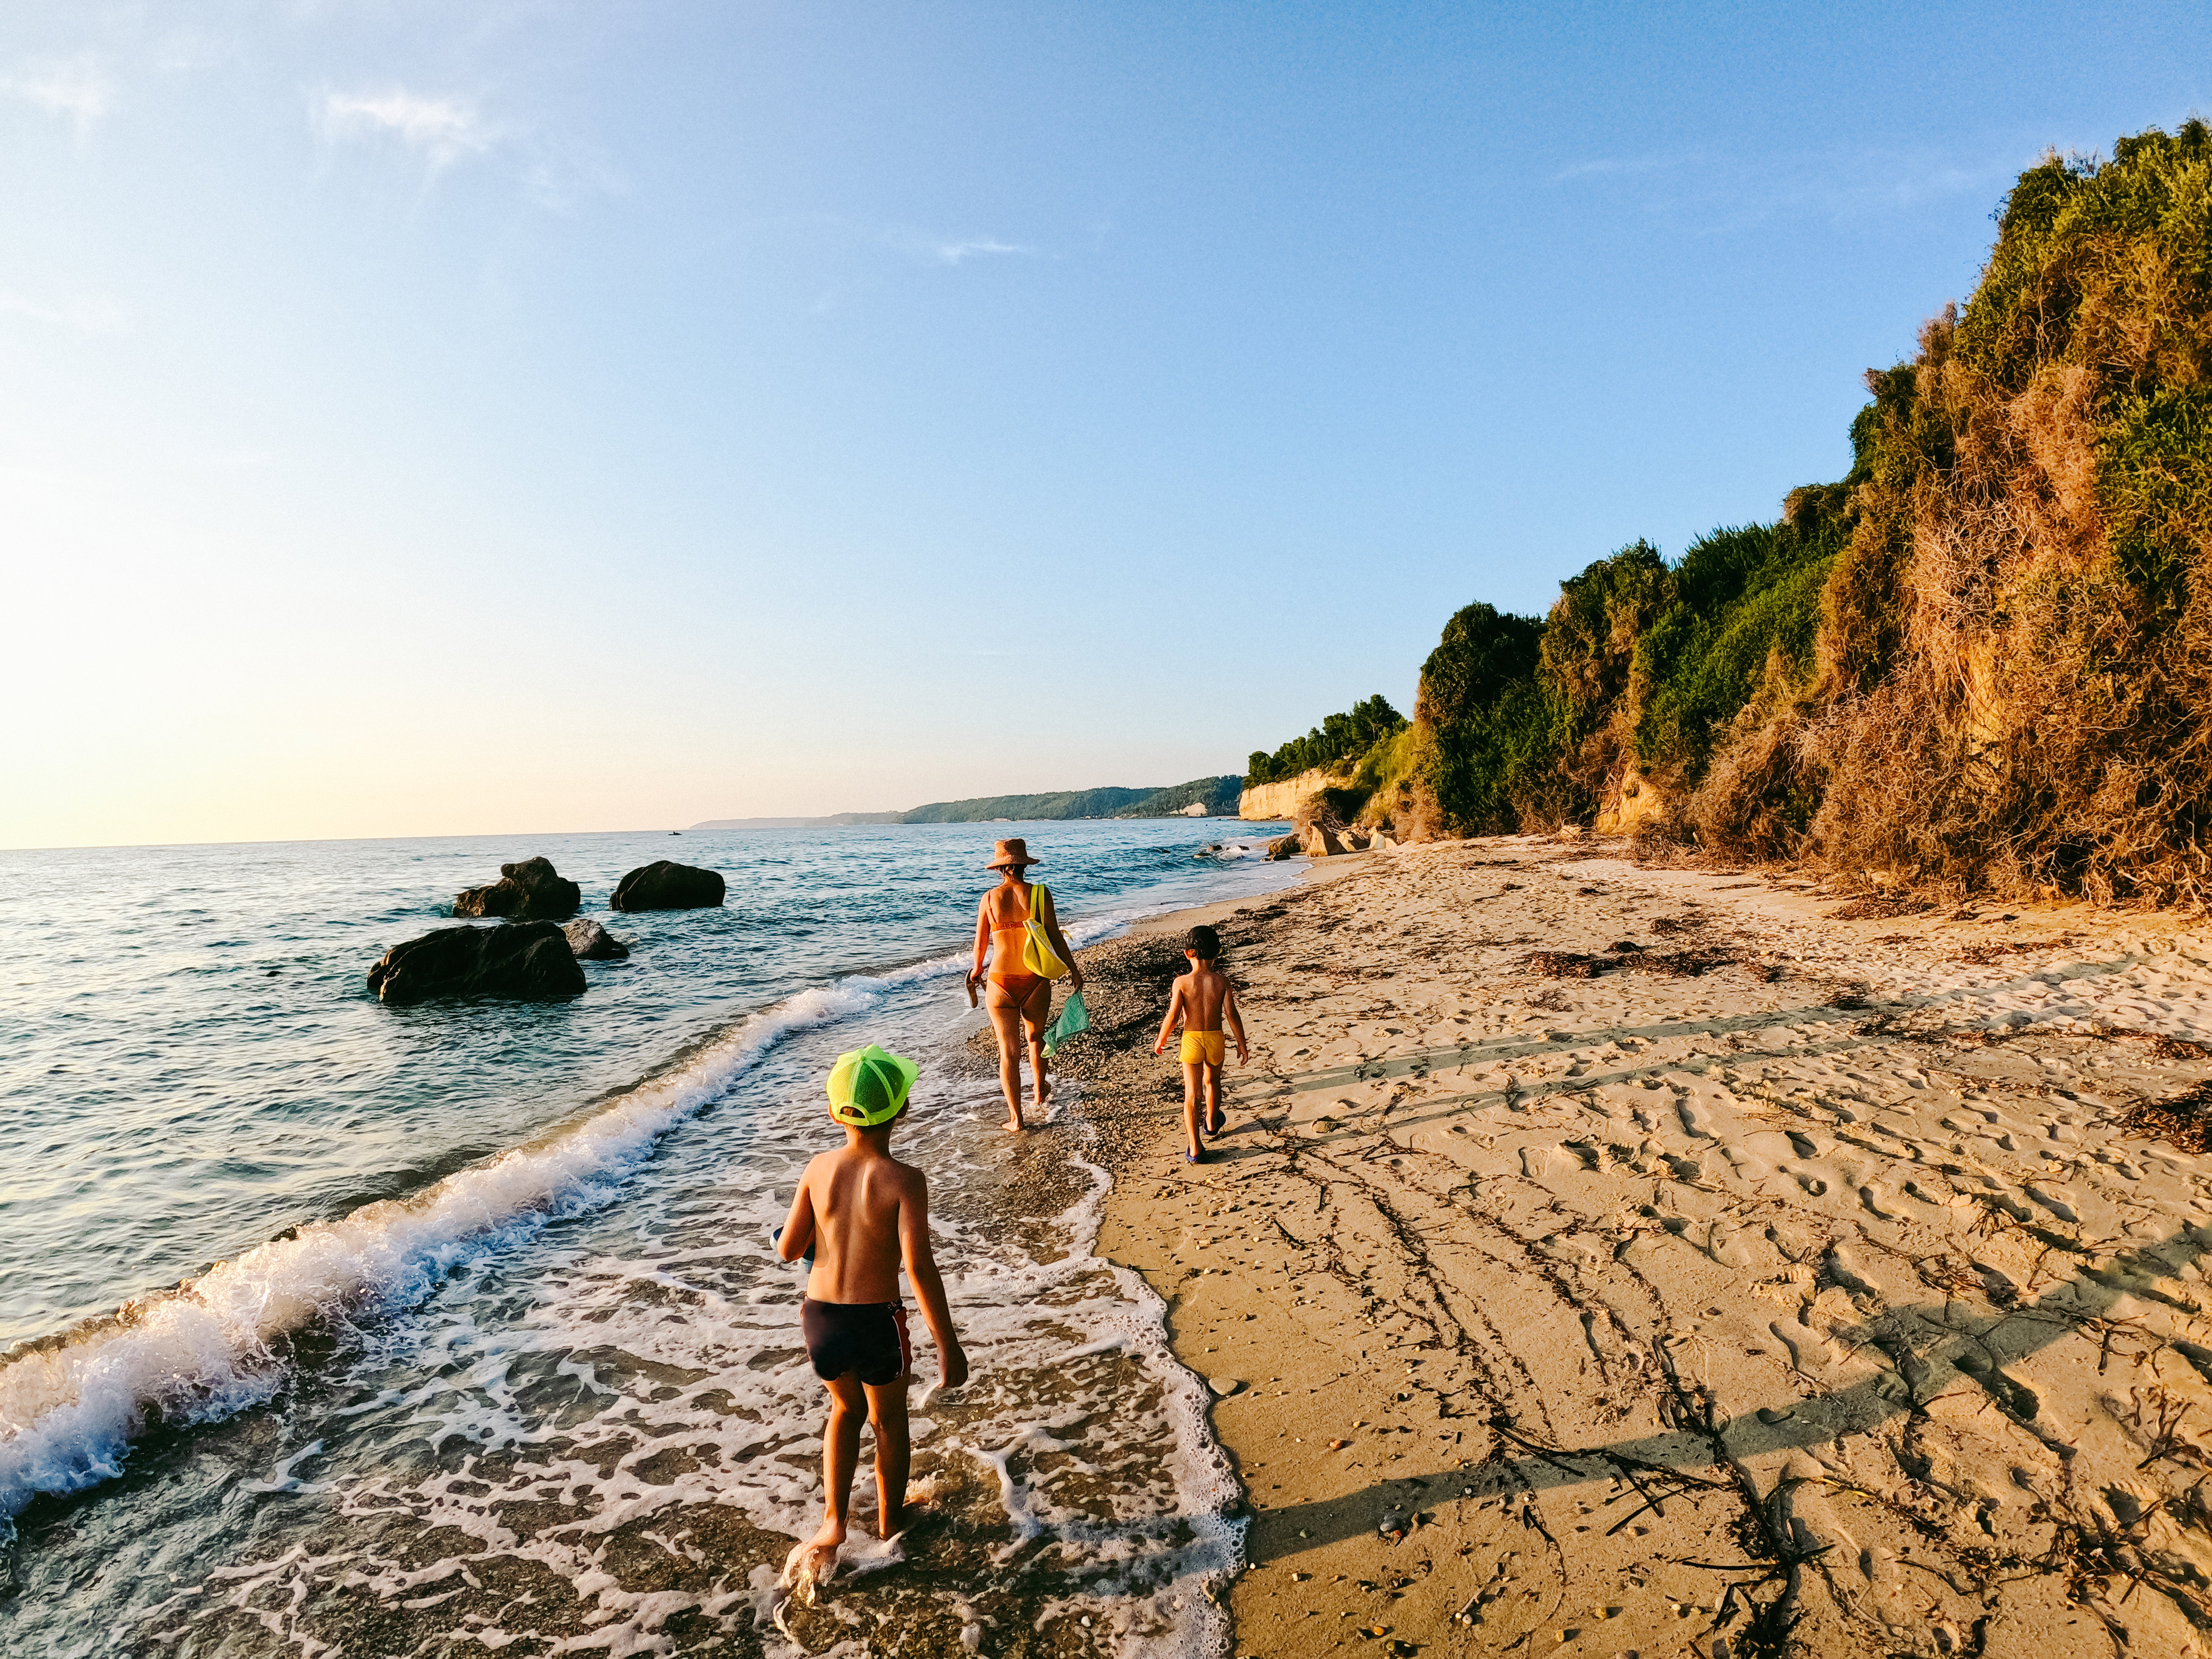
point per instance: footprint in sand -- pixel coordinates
(1874, 1198)
(2056, 1206)
(1808, 1350)
(1843, 1268)
(1726, 1247)
(1540, 1163)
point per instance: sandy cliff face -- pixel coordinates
(1280, 799)
(1630, 800)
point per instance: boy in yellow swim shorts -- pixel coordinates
(1204, 1001)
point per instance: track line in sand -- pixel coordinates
(1861, 1333)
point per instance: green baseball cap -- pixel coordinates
(868, 1087)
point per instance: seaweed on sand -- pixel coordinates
(2184, 1121)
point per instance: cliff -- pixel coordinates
(1979, 662)
(1214, 797)
(1280, 798)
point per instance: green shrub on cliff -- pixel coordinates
(1639, 662)
(1491, 732)
(1339, 738)
(1983, 659)
(1745, 603)
(2017, 642)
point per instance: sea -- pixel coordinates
(336, 1329)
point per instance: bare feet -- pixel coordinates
(812, 1563)
(912, 1511)
(1043, 1090)
(1015, 1126)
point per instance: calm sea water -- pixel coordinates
(442, 1261)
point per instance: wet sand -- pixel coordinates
(1617, 1260)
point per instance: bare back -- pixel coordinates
(858, 1196)
(1008, 908)
(1205, 993)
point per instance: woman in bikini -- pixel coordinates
(1014, 996)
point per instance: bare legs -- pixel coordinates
(1007, 1019)
(894, 1457)
(885, 1409)
(1201, 1094)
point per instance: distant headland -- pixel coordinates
(1214, 797)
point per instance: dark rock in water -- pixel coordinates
(662, 885)
(531, 890)
(528, 959)
(592, 943)
(1284, 847)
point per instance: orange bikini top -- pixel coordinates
(1006, 942)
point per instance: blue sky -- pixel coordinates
(421, 418)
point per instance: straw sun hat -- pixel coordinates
(1013, 852)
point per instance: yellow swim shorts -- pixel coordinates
(1205, 1046)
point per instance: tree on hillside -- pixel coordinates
(1343, 737)
(1982, 660)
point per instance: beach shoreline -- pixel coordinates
(1792, 1282)
(553, 1393)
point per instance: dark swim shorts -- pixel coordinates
(868, 1338)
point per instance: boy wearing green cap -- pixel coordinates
(858, 1213)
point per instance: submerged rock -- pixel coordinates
(665, 885)
(592, 943)
(530, 960)
(529, 890)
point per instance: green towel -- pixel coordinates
(1073, 1017)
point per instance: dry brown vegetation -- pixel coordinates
(2012, 668)
(1980, 663)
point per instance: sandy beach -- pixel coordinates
(1606, 1260)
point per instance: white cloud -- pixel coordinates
(73, 88)
(445, 129)
(951, 253)
(948, 250)
(85, 315)
(1615, 166)
(559, 175)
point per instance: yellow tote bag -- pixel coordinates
(1038, 954)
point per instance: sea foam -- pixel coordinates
(70, 1406)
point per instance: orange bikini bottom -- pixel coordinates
(1019, 986)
